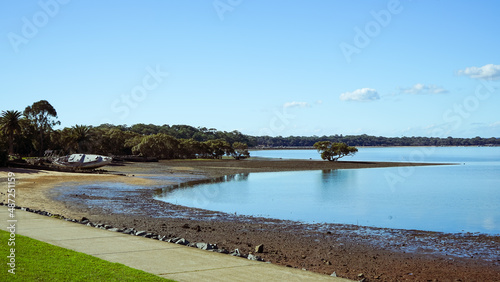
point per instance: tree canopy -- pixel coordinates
(159, 145)
(333, 151)
(240, 150)
(42, 117)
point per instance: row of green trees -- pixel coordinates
(367, 140)
(32, 132)
(165, 146)
(204, 134)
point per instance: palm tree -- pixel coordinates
(9, 125)
(81, 133)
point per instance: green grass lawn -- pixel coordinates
(39, 261)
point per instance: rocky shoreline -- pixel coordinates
(142, 233)
(359, 244)
(378, 254)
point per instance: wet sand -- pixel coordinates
(349, 250)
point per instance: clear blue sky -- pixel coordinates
(389, 68)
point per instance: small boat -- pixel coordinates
(83, 161)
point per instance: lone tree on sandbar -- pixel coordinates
(334, 151)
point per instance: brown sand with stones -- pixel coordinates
(378, 254)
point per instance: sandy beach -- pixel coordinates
(379, 254)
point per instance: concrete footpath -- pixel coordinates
(164, 259)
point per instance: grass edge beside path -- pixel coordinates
(40, 261)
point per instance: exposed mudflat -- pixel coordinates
(379, 254)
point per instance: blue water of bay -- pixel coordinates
(463, 197)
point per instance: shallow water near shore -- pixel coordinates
(450, 198)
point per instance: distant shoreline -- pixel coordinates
(393, 146)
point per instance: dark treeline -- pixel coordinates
(204, 134)
(367, 140)
(31, 133)
(165, 142)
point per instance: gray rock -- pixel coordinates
(141, 233)
(254, 257)
(205, 246)
(236, 253)
(251, 257)
(129, 231)
(114, 229)
(182, 241)
(334, 274)
(177, 240)
(223, 251)
(173, 240)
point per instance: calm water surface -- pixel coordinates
(450, 198)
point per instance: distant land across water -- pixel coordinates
(204, 133)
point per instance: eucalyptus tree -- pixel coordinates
(159, 145)
(114, 141)
(61, 140)
(42, 117)
(240, 150)
(218, 148)
(191, 149)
